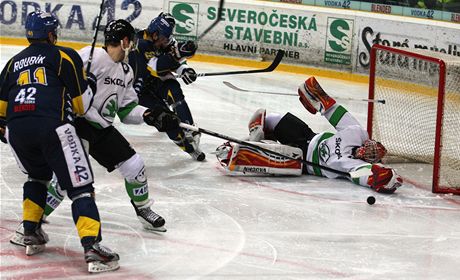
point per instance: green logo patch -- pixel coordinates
(339, 41)
(186, 16)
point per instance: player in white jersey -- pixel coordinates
(115, 96)
(347, 150)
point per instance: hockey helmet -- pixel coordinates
(40, 24)
(118, 29)
(169, 18)
(371, 151)
(161, 25)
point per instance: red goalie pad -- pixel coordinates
(240, 158)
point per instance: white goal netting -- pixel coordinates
(408, 123)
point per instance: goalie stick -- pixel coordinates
(232, 86)
(353, 174)
(96, 30)
(219, 18)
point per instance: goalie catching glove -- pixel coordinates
(161, 118)
(384, 179)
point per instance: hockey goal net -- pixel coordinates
(420, 120)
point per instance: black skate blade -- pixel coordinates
(157, 229)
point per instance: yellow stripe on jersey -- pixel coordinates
(66, 57)
(3, 105)
(77, 104)
(152, 72)
(63, 104)
(171, 97)
(31, 211)
(87, 226)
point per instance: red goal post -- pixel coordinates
(420, 120)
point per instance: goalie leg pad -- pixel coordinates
(256, 125)
(313, 97)
(240, 158)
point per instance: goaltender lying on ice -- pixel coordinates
(331, 154)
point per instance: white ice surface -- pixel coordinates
(239, 227)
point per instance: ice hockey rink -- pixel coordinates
(244, 227)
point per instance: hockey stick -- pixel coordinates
(279, 56)
(96, 30)
(232, 86)
(353, 174)
(219, 18)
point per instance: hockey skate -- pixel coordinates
(149, 219)
(101, 259)
(18, 236)
(193, 138)
(313, 97)
(35, 241)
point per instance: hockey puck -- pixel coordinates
(370, 200)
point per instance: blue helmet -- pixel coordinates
(161, 25)
(39, 24)
(169, 18)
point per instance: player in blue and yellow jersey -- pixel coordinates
(40, 89)
(156, 57)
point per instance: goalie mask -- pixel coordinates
(371, 151)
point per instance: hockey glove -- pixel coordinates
(92, 82)
(3, 130)
(188, 75)
(183, 50)
(138, 84)
(161, 118)
(384, 179)
(171, 46)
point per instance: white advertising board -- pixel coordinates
(311, 36)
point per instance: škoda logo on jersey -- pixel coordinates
(114, 81)
(186, 16)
